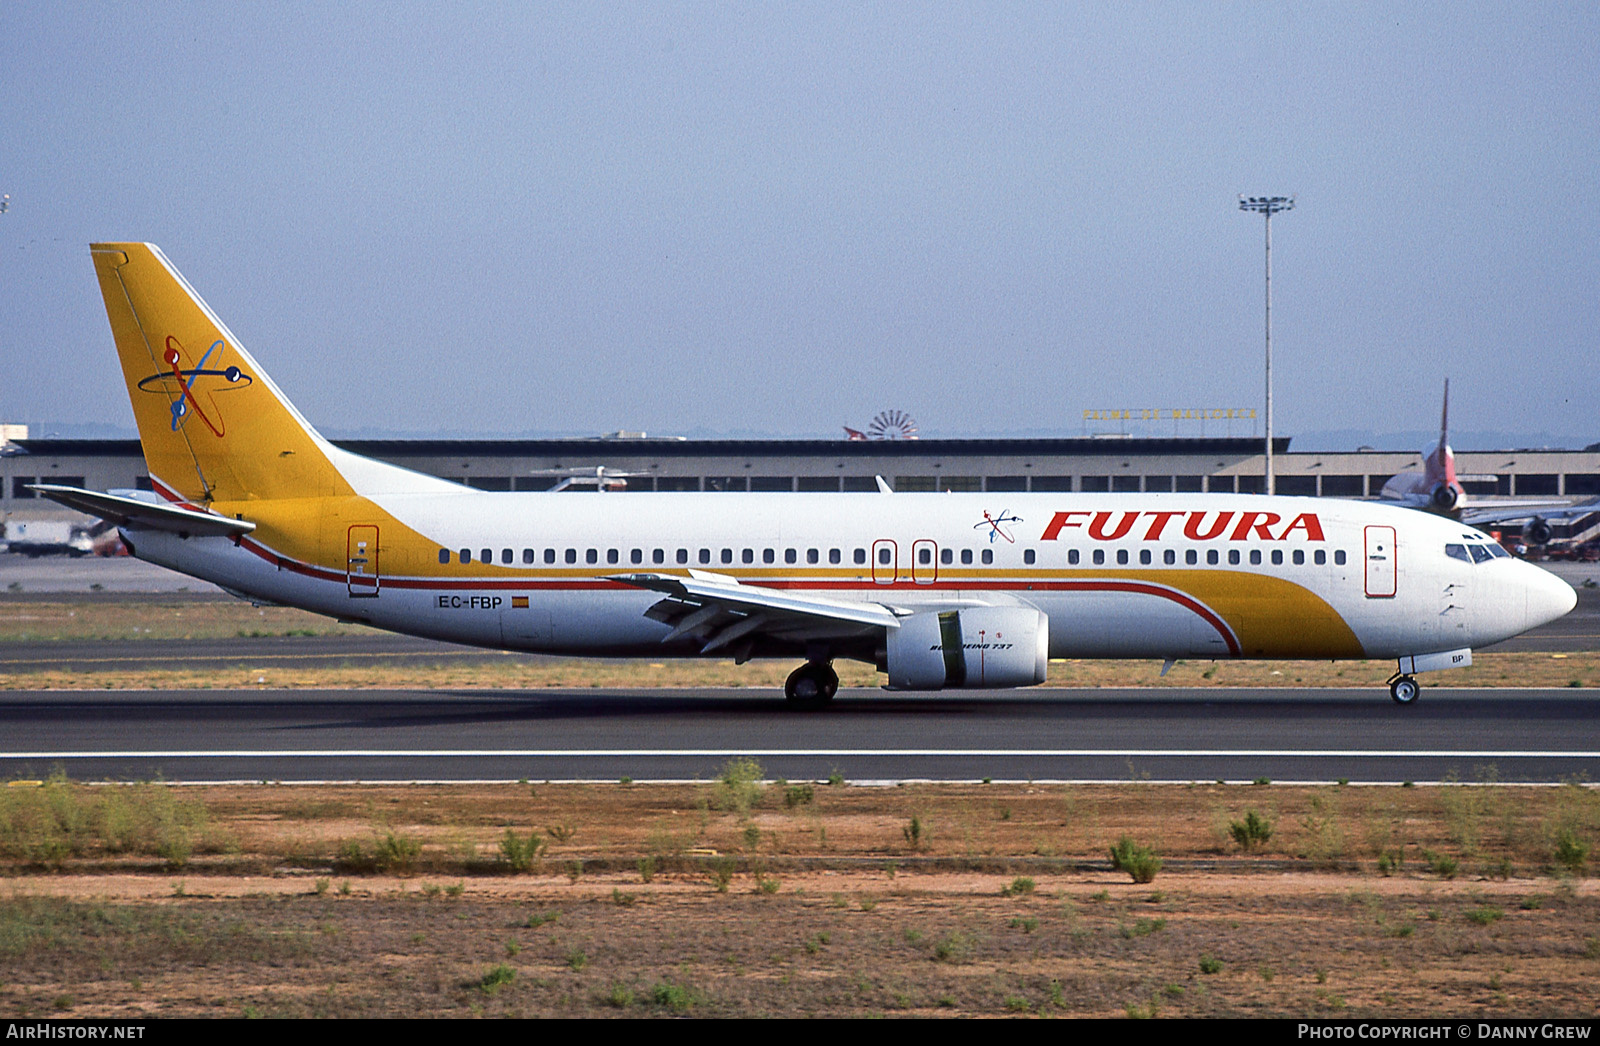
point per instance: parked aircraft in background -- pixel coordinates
(936, 590)
(1436, 489)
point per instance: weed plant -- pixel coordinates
(739, 786)
(1140, 862)
(1253, 832)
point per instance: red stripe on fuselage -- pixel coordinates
(1143, 588)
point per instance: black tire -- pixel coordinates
(812, 685)
(1405, 691)
(830, 681)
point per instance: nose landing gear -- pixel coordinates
(812, 685)
(1404, 690)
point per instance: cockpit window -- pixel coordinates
(1476, 552)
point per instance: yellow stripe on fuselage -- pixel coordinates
(1270, 616)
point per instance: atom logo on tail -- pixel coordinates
(182, 384)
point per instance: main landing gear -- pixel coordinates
(812, 685)
(1404, 690)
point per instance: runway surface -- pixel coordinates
(1541, 736)
(242, 652)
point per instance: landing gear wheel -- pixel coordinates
(812, 685)
(1404, 690)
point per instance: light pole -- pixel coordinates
(1268, 206)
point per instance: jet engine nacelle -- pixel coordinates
(975, 647)
(1536, 532)
(1445, 497)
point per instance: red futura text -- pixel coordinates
(1196, 526)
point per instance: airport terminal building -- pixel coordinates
(1235, 465)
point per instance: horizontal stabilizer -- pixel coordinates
(133, 512)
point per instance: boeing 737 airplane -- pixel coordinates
(936, 590)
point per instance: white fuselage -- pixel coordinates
(1118, 575)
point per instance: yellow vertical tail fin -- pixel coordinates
(212, 424)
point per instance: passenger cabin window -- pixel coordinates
(444, 555)
(705, 555)
(883, 556)
(747, 556)
(790, 555)
(946, 556)
(1191, 557)
(1338, 557)
(768, 556)
(727, 555)
(1144, 557)
(1255, 557)
(1072, 557)
(1233, 557)
(1213, 557)
(924, 556)
(683, 557)
(966, 557)
(637, 555)
(612, 555)
(528, 555)
(488, 555)
(466, 555)
(572, 555)
(1299, 557)
(1319, 557)
(988, 556)
(813, 556)
(860, 557)
(835, 556)
(506, 555)
(1169, 557)
(1027, 556)
(1099, 556)
(659, 556)
(1277, 557)
(1122, 557)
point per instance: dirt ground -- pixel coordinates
(742, 897)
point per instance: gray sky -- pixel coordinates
(780, 219)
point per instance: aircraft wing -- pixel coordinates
(134, 512)
(1512, 511)
(725, 613)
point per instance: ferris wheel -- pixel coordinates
(892, 424)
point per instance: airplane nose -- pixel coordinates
(1548, 597)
